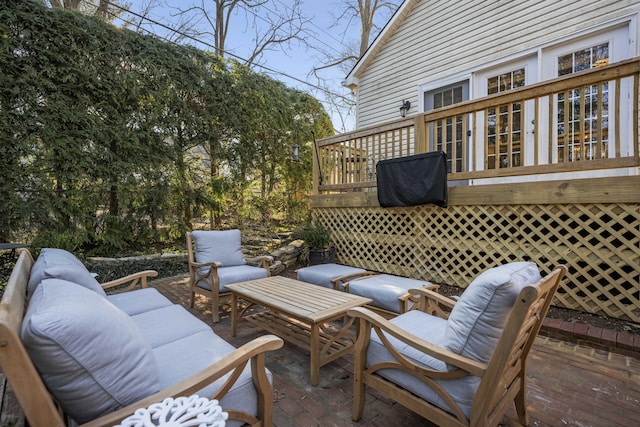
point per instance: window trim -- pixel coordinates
(424, 88)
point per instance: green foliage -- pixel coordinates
(316, 236)
(111, 139)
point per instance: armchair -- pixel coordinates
(216, 260)
(464, 370)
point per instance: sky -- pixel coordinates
(292, 63)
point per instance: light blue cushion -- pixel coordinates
(139, 300)
(90, 354)
(323, 274)
(55, 263)
(235, 274)
(219, 246)
(431, 329)
(167, 324)
(385, 289)
(180, 359)
(479, 316)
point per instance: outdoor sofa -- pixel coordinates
(65, 344)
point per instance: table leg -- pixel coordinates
(315, 353)
(234, 314)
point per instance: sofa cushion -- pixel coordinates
(323, 274)
(55, 263)
(90, 354)
(385, 289)
(432, 329)
(180, 359)
(235, 274)
(479, 316)
(166, 324)
(139, 300)
(221, 246)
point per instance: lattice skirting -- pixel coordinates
(599, 243)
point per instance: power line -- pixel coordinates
(204, 43)
(311, 35)
(321, 30)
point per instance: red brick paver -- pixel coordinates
(569, 384)
(572, 380)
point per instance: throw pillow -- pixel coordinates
(55, 263)
(221, 246)
(478, 318)
(91, 355)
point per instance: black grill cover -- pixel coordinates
(413, 180)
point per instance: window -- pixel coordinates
(449, 134)
(505, 123)
(447, 97)
(583, 113)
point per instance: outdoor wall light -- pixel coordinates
(404, 108)
(296, 153)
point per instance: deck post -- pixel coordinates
(419, 135)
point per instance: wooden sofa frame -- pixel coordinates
(503, 378)
(39, 406)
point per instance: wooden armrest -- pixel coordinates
(432, 302)
(132, 279)
(433, 350)
(205, 264)
(259, 258)
(419, 302)
(351, 276)
(234, 360)
(263, 261)
(429, 292)
(410, 293)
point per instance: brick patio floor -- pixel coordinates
(569, 384)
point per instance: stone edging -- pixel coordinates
(607, 339)
(283, 257)
(624, 343)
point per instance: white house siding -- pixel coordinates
(446, 41)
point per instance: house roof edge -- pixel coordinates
(398, 17)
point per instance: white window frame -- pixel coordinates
(530, 64)
(466, 81)
(621, 41)
(441, 84)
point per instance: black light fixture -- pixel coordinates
(296, 152)
(404, 108)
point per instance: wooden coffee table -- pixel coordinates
(298, 312)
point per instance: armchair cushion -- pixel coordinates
(55, 263)
(432, 329)
(221, 246)
(323, 274)
(385, 289)
(235, 274)
(479, 316)
(90, 354)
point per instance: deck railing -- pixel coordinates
(580, 122)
